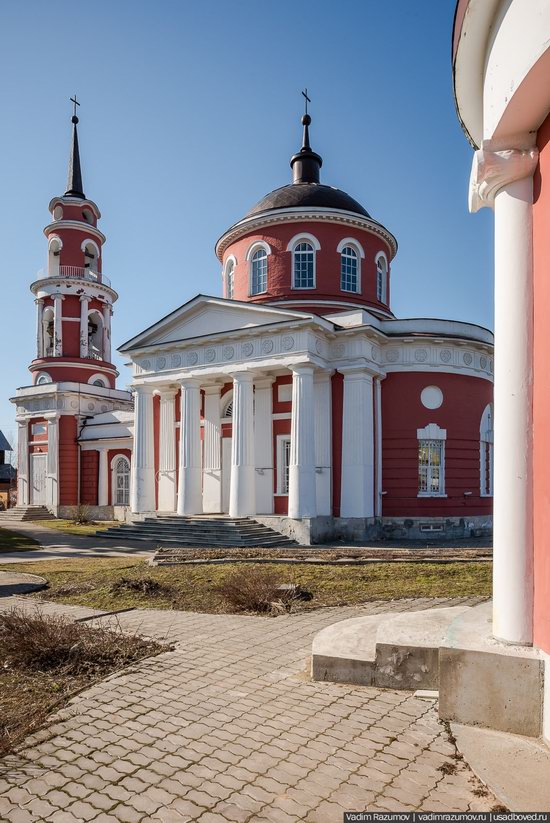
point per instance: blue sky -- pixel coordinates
(189, 115)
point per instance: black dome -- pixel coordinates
(308, 195)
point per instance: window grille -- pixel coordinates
(259, 272)
(348, 269)
(304, 266)
(430, 467)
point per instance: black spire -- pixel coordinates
(306, 164)
(74, 177)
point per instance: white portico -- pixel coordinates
(235, 409)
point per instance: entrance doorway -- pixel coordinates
(38, 479)
(226, 472)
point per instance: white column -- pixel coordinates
(107, 311)
(301, 476)
(323, 441)
(503, 179)
(357, 445)
(103, 479)
(84, 302)
(212, 444)
(189, 486)
(57, 325)
(39, 334)
(167, 451)
(142, 490)
(378, 445)
(23, 463)
(242, 494)
(52, 478)
(263, 444)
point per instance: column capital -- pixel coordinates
(166, 393)
(494, 167)
(39, 301)
(142, 388)
(322, 375)
(264, 382)
(302, 368)
(215, 389)
(242, 377)
(85, 298)
(357, 372)
(57, 296)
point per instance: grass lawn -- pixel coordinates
(16, 542)
(116, 583)
(84, 529)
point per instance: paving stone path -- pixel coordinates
(228, 727)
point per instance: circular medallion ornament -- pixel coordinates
(287, 343)
(146, 365)
(192, 358)
(431, 397)
(247, 349)
(483, 361)
(176, 360)
(318, 346)
(420, 355)
(267, 346)
(468, 358)
(338, 349)
(445, 356)
(491, 366)
(74, 404)
(374, 352)
(91, 406)
(104, 408)
(210, 355)
(161, 362)
(392, 355)
(228, 352)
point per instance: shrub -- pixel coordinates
(143, 585)
(81, 515)
(255, 589)
(51, 643)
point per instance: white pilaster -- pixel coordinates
(502, 178)
(212, 467)
(142, 490)
(378, 445)
(84, 303)
(323, 441)
(189, 487)
(263, 444)
(107, 311)
(57, 325)
(167, 451)
(103, 479)
(242, 494)
(52, 472)
(23, 463)
(301, 476)
(39, 333)
(357, 445)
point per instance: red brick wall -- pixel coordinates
(68, 461)
(89, 469)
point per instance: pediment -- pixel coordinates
(203, 317)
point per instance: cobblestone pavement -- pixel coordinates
(228, 727)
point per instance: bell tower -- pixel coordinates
(73, 297)
(73, 379)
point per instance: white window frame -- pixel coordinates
(382, 293)
(486, 448)
(432, 434)
(114, 462)
(303, 237)
(259, 244)
(282, 487)
(229, 269)
(358, 249)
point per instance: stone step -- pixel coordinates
(391, 651)
(26, 513)
(266, 542)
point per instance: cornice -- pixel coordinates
(74, 225)
(494, 167)
(250, 224)
(67, 282)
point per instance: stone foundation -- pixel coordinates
(313, 530)
(120, 513)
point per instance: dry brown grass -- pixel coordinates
(256, 589)
(44, 660)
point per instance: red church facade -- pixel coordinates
(297, 398)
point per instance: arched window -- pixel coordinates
(120, 481)
(259, 272)
(54, 250)
(43, 378)
(349, 269)
(227, 406)
(91, 256)
(229, 278)
(486, 439)
(48, 331)
(381, 277)
(303, 266)
(95, 335)
(431, 461)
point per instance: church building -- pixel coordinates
(296, 397)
